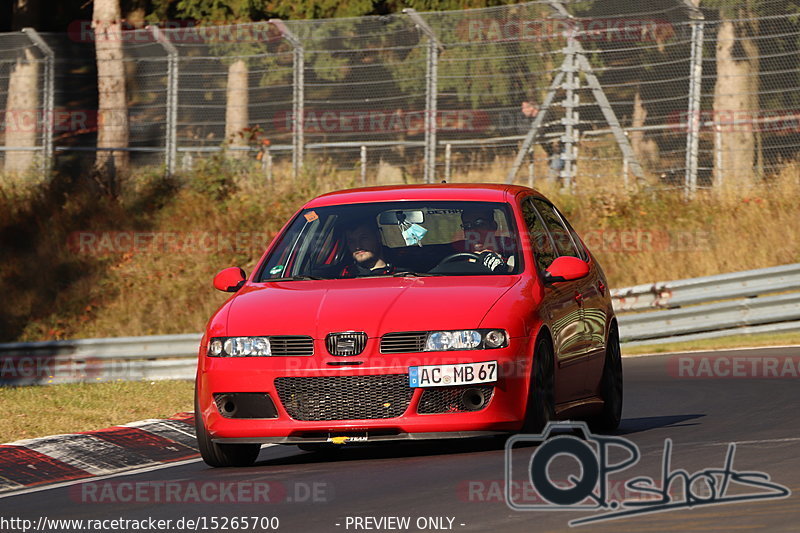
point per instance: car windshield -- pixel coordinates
(396, 239)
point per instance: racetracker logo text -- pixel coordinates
(740, 366)
(202, 492)
(548, 29)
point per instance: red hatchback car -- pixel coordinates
(411, 312)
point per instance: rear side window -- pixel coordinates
(561, 236)
(543, 248)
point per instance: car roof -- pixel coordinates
(487, 192)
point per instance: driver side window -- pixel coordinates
(543, 248)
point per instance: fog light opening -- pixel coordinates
(473, 399)
(228, 406)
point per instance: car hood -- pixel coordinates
(373, 305)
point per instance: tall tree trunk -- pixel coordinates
(237, 111)
(112, 127)
(735, 100)
(22, 113)
(23, 100)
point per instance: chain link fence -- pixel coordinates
(660, 93)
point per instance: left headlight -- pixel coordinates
(239, 347)
(465, 339)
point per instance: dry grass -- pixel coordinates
(61, 292)
(31, 412)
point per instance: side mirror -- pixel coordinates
(565, 268)
(230, 279)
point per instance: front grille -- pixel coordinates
(346, 343)
(289, 345)
(344, 397)
(450, 399)
(405, 342)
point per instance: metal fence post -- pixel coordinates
(531, 167)
(448, 154)
(571, 117)
(266, 163)
(431, 89)
(187, 163)
(718, 168)
(363, 165)
(171, 140)
(695, 81)
(298, 95)
(625, 172)
(48, 98)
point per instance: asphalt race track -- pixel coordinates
(701, 401)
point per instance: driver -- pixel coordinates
(480, 238)
(364, 245)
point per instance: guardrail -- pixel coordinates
(87, 360)
(740, 303)
(667, 294)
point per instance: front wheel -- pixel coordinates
(610, 387)
(541, 397)
(221, 454)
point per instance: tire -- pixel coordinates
(222, 455)
(541, 407)
(611, 387)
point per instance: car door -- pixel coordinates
(595, 311)
(560, 308)
(595, 299)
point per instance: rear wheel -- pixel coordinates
(222, 454)
(610, 387)
(541, 398)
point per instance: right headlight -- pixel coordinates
(465, 339)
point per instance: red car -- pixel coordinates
(410, 312)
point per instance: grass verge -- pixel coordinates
(722, 343)
(39, 411)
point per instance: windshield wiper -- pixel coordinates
(412, 274)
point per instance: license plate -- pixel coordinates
(449, 375)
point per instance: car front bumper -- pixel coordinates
(503, 411)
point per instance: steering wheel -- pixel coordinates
(460, 256)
